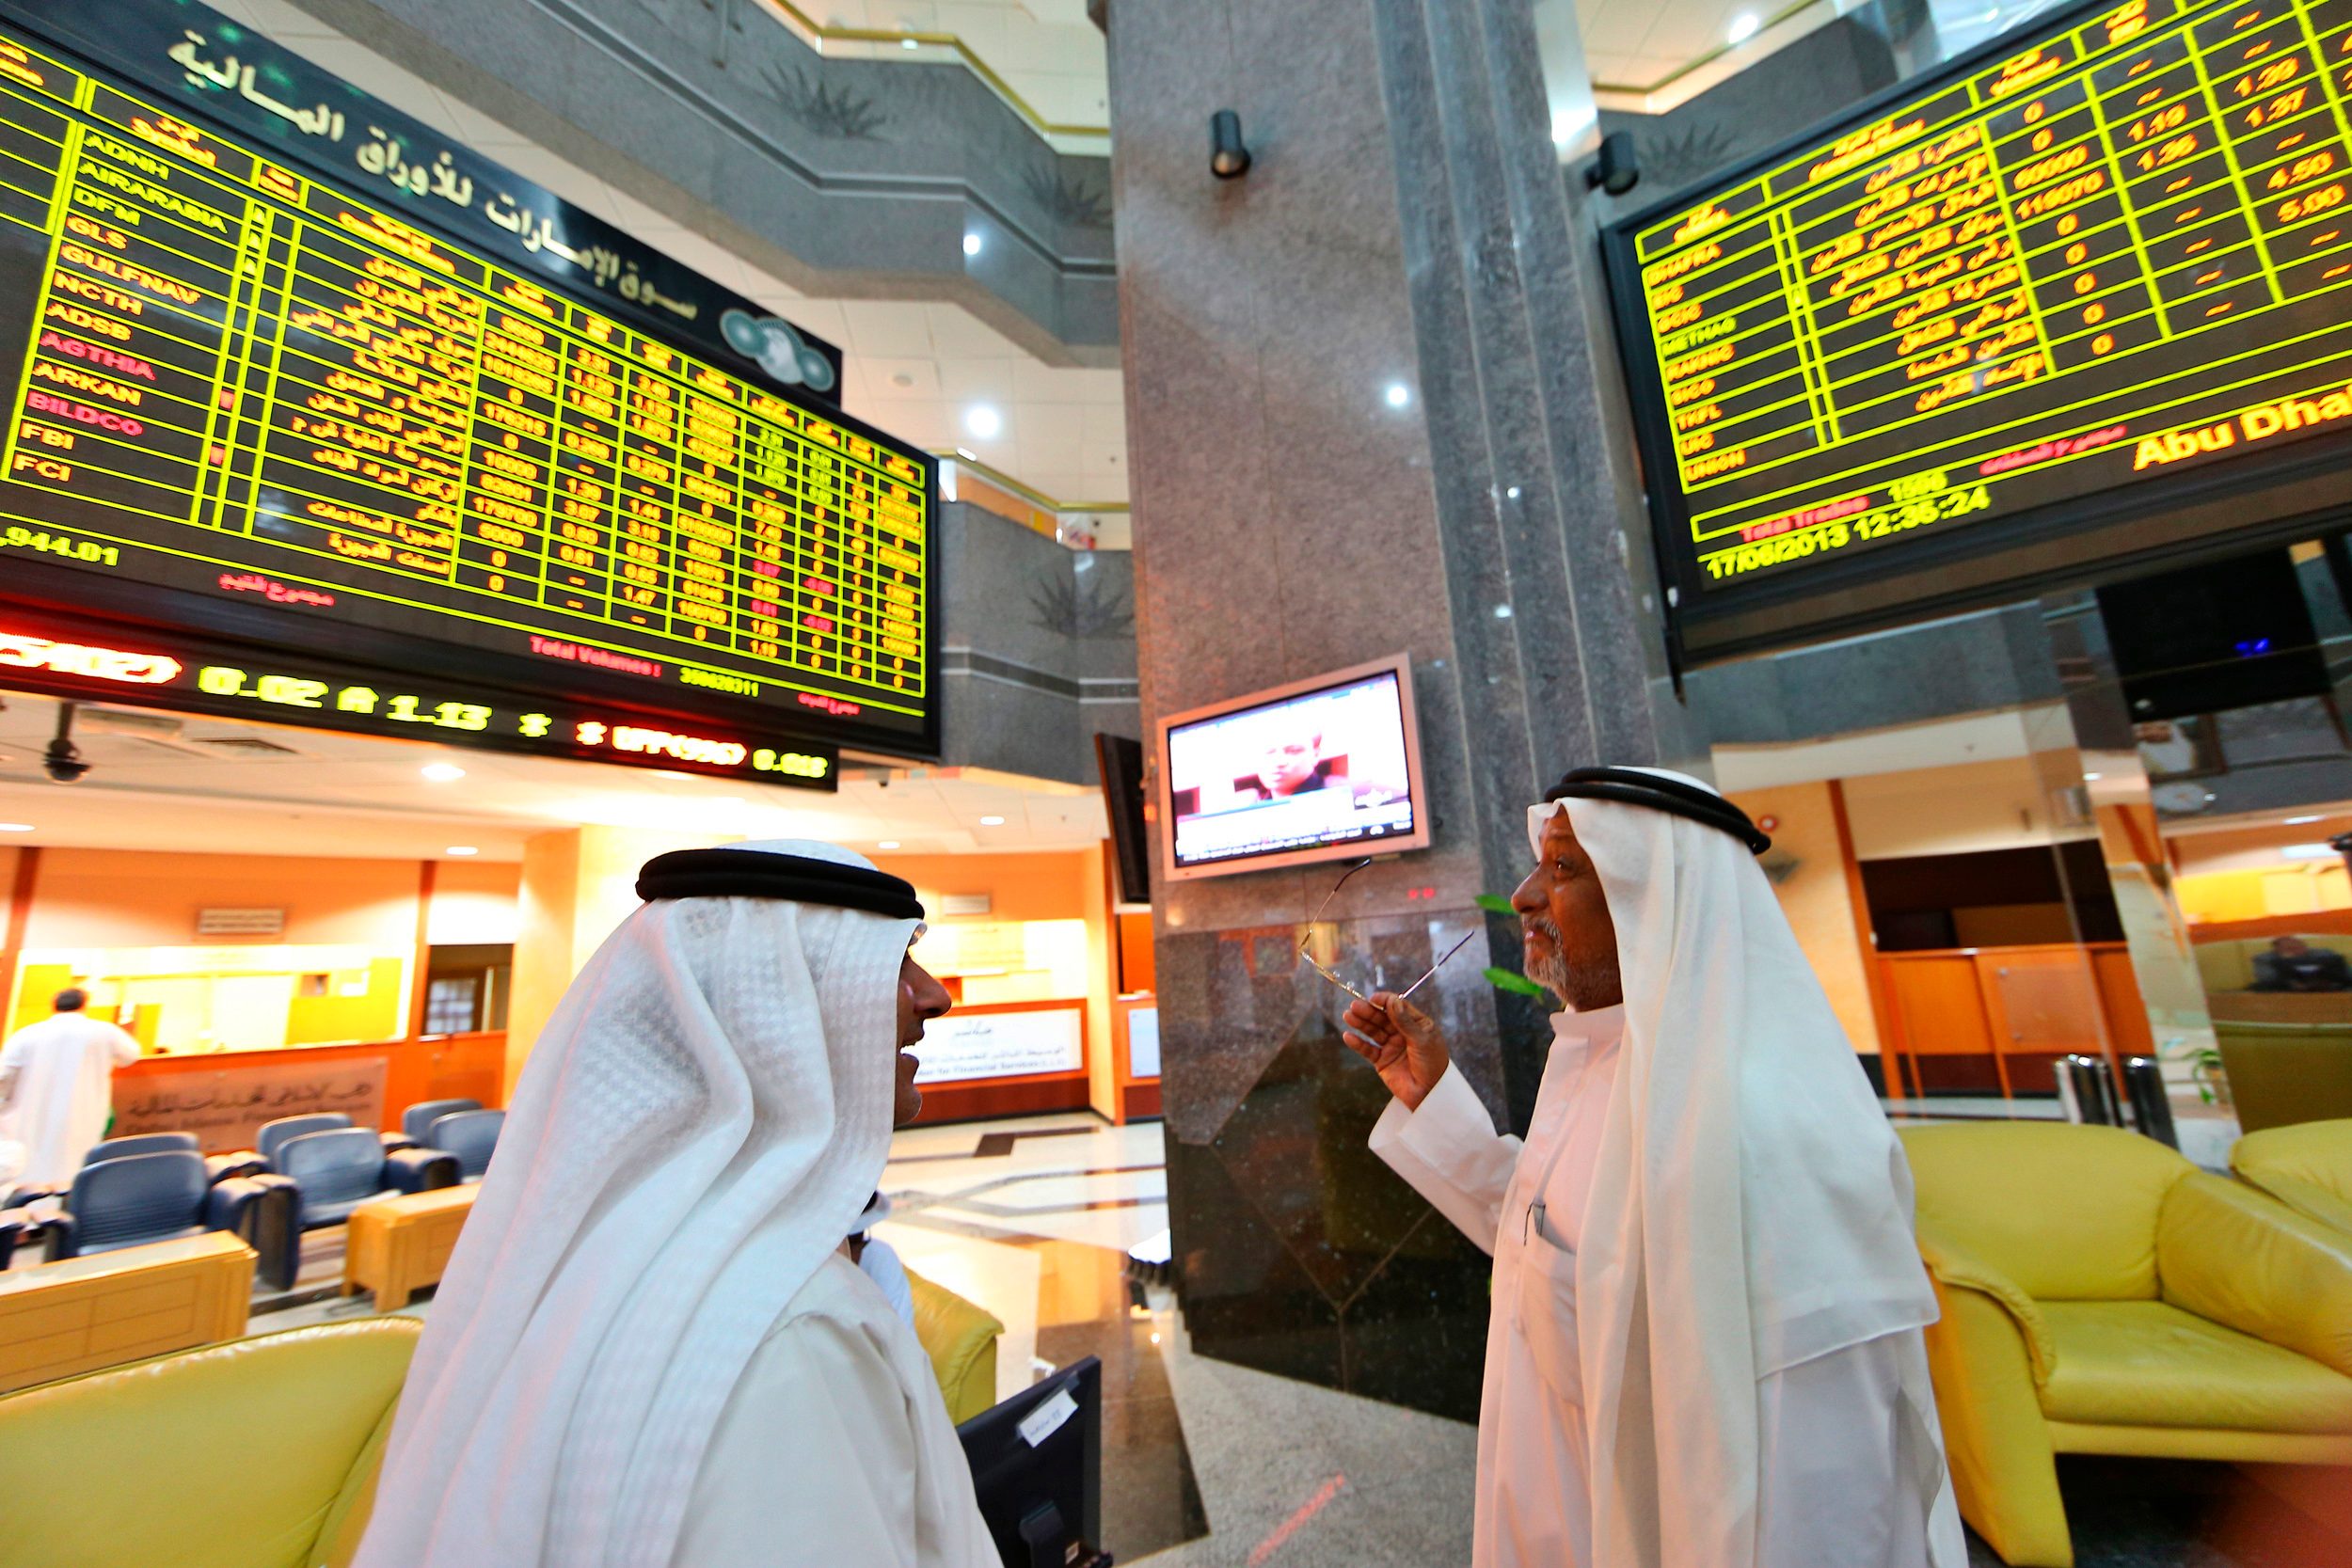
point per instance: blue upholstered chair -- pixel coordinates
(142, 1142)
(339, 1168)
(163, 1197)
(418, 1119)
(217, 1167)
(274, 1136)
(472, 1135)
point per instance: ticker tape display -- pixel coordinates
(239, 380)
(2121, 249)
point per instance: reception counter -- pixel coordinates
(223, 1097)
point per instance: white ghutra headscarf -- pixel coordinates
(1742, 1146)
(702, 1120)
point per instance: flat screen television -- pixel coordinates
(1320, 769)
(1118, 763)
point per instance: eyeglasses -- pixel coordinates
(1309, 960)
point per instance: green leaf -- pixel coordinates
(1494, 903)
(1519, 985)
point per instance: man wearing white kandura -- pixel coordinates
(652, 1348)
(1705, 1349)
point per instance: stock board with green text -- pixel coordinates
(284, 371)
(2115, 250)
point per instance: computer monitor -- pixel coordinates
(1037, 1466)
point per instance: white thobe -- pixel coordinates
(1848, 1475)
(835, 1447)
(64, 1091)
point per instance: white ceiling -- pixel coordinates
(915, 368)
(173, 787)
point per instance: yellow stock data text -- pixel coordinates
(2118, 251)
(243, 381)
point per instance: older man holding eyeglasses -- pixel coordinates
(1705, 1349)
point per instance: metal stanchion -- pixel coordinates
(2152, 1107)
(2088, 1091)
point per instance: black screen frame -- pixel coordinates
(1719, 621)
(164, 611)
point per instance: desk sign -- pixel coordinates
(287, 368)
(2110, 252)
(239, 922)
(965, 1046)
(226, 1109)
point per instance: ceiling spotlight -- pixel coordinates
(2092, 778)
(1743, 27)
(972, 244)
(967, 455)
(461, 850)
(887, 844)
(909, 43)
(442, 772)
(2289, 821)
(991, 821)
(1398, 395)
(983, 421)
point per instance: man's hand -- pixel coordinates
(1403, 1044)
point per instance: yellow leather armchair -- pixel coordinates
(961, 1339)
(154, 1482)
(2307, 1166)
(2101, 1295)
(142, 1473)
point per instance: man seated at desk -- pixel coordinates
(2294, 964)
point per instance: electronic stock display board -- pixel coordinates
(289, 370)
(2107, 257)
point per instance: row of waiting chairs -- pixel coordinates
(303, 1173)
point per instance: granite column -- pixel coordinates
(1371, 407)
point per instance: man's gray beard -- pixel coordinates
(1566, 981)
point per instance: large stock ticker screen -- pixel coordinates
(335, 388)
(2116, 250)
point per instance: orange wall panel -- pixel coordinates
(1817, 898)
(133, 898)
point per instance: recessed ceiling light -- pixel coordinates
(991, 821)
(15, 827)
(887, 844)
(2301, 821)
(2093, 778)
(442, 772)
(972, 245)
(901, 379)
(1744, 26)
(982, 421)
(1398, 395)
(967, 455)
(461, 849)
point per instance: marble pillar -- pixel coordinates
(1369, 408)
